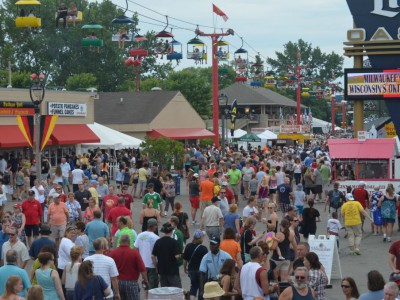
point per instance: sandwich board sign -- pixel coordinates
(326, 249)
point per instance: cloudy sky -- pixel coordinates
(266, 25)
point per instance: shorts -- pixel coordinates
(299, 209)
(246, 184)
(32, 229)
(388, 220)
(272, 191)
(261, 202)
(195, 201)
(66, 181)
(187, 167)
(57, 231)
(235, 189)
(316, 189)
(282, 265)
(284, 207)
(204, 204)
(253, 193)
(142, 185)
(152, 276)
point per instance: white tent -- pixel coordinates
(110, 138)
(267, 135)
(326, 126)
(236, 134)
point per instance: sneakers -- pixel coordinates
(384, 239)
(165, 214)
(357, 251)
(193, 222)
(375, 233)
(389, 239)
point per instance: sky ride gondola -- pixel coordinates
(175, 52)
(71, 14)
(123, 35)
(222, 50)
(91, 40)
(197, 50)
(27, 16)
(241, 62)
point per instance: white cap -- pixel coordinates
(349, 196)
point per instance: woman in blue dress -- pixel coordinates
(49, 279)
(376, 211)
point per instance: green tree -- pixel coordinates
(81, 81)
(165, 151)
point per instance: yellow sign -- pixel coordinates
(390, 130)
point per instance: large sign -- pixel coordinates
(295, 128)
(67, 109)
(369, 185)
(16, 108)
(371, 84)
(390, 130)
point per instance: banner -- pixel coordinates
(47, 124)
(25, 125)
(67, 109)
(233, 116)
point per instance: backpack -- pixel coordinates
(336, 199)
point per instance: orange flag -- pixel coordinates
(220, 12)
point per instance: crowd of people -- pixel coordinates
(78, 227)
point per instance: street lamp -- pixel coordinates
(223, 104)
(36, 93)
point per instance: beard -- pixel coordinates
(300, 285)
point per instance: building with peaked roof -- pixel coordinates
(155, 113)
(259, 107)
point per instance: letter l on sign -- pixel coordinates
(378, 8)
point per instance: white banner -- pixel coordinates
(369, 185)
(295, 128)
(67, 109)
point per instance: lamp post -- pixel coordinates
(36, 93)
(344, 114)
(298, 69)
(223, 103)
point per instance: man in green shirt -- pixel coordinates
(235, 177)
(326, 176)
(122, 224)
(157, 200)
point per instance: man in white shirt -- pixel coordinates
(105, 267)
(250, 210)
(66, 173)
(15, 244)
(39, 192)
(77, 176)
(212, 219)
(145, 243)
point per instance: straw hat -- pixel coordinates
(212, 289)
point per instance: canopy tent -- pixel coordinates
(110, 138)
(236, 134)
(267, 135)
(325, 126)
(250, 137)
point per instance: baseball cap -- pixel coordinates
(362, 183)
(196, 175)
(197, 234)
(167, 228)
(224, 183)
(56, 195)
(94, 182)
(215, 240)
(31, 192)
(18, 205)
(349, 196)
(45, 229)
(152, 222)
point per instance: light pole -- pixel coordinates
(36, 93)
(223, 103)
(298, 69)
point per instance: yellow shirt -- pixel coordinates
(351, 211)
(142, 174)
(94, 194)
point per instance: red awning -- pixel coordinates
(353, 149)
(11, 136)
(181, 133)
(72, 134)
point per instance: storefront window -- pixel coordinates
(345, 170)
(372, 169)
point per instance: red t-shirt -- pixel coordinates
(63, 198)
(229, 195)
(361, 195)
(32, 211)
(115, 213)
(128, 200)
(395, 250)
(109, 202)
(129, 262)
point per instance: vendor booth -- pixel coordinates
(373, 161)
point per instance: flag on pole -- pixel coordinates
(220, 12)
(233, 116)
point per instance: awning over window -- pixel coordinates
(63, 134)
(370, 149)
(181, 133)
(72, 134)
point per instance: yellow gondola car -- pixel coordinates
(27, 16)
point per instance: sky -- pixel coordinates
(265, 25)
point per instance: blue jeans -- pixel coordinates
(69, 294)
(194, 282)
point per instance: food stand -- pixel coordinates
(373, 161)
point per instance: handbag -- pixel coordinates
(246, 255)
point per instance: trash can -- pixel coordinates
(177, 179)
(170, 293)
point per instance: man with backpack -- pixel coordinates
(334, 199)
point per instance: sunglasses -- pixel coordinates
(295, 220)
(345, 286)
(270, 207)
(222, 192)
(11, 234)
(300, 277)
